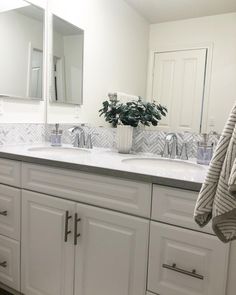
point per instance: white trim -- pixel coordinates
(180, 47)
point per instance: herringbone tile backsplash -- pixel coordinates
(144, 141)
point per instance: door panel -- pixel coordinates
(47, 260)
(178, 84)
(111, 255)
(10, 199)
(202, 257)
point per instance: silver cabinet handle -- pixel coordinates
(3, 264)
(76, 234)
(3, 213)
(183, 271)
(67, 232)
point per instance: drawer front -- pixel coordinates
(176, 206)
(108, 192)
(10, 199)
(10, 263)
(10, 172)
(185, 262)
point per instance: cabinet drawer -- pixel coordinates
(108, 192)
(184, 262)
(10, 263)
(10, 211)
(10, 172)
(176, 206)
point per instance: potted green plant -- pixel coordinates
(126, 116)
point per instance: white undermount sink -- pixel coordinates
(164, 164)
(58, 150)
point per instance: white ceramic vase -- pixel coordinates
(124, 138)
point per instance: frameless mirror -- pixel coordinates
(21, 50)
(67, 78)
(190, 62)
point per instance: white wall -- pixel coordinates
(73, 48)
(115, 54)
(219, 30)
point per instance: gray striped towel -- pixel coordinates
(217, 198)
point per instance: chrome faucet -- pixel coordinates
(81, 140)
(171, 146)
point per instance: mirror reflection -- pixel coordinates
(68, 42)
(184, 61)
(21, 50)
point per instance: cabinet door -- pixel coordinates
(184, 262)
(47, 260)
(10, 199)
(10, 263)
(111, 254)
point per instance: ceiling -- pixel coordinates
(156, 11)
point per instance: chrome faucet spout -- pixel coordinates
(171, 146)
(79, 138)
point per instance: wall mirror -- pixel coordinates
(67, 63)
(21, 50)
(183, 58)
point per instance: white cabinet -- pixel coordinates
(184, 262)
(10, 262)
(10, 172)
(175, 206)
(10, 200)
(123, 195)
(47, 261)
(111, 254)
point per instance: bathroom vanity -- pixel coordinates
(96, 230)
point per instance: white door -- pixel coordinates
(178, 84)
(111, 254)
(47, 262)
(185, 262)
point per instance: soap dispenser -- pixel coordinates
(56, 136)
(204, 150)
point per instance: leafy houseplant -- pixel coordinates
(131, 114)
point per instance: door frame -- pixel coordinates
(209, 46)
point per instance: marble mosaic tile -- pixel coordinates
(11, 134)
(144, 141)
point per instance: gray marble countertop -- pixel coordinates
(109, 162)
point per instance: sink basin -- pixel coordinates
(167, 165)
(65, 151)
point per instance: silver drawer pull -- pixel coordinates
(3, 213)
(67, 231)
(76, 234)
(3, 264)
(183, 271)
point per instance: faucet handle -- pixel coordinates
(174, 148)
(89, 143)
(82, 140)
(184, 151)
(165, 152)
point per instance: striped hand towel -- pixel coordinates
(217, 198)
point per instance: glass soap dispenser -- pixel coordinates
(56, 136)
(204, 150)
